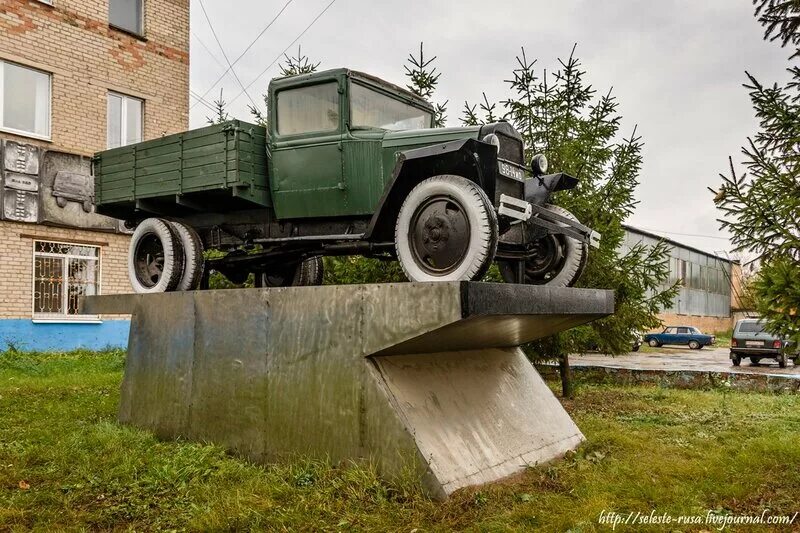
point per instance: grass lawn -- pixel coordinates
(66, 464)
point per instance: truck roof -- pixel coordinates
(374, 80)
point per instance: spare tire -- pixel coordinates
(193, 262)
(155, 257)
(560, 260)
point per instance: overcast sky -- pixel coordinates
(676, 68)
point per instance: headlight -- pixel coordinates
(539, 164)
(492, 139)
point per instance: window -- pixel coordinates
(62, 273)
(24, 100)
(752, 326)
(671, 331)
(124, 120)
(308, 109)
(126, 15)
(683, 331)
(375, 110)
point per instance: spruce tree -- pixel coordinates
(423, 80)
(561, 115)
(761, 205)
(221, 113)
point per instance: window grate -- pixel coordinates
(62, 274)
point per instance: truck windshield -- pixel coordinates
(372, 109)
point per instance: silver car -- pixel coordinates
(751, 340)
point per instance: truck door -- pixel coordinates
(306, 177)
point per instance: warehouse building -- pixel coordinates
(76, 77)
(709, 296)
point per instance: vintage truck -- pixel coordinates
(350, 165)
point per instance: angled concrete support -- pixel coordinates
(420, 375)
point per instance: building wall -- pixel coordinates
(19, 329)
(86, 58)
(704, 300)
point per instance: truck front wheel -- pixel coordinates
(446, 231)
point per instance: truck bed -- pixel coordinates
(219, 168)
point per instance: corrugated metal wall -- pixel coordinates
(706, 289)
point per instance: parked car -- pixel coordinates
(688, 335)
(751, 340)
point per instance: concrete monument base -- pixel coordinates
(421, 375)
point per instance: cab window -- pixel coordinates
(372, 109)
(314, 108)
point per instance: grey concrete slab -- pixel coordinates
(424, 376)
(478, 416)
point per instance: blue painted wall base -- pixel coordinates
(26, 335)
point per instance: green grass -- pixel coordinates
(66, 464)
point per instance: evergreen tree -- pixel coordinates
(221, 113)
(563, 117)
(761, 205)
(423, 80)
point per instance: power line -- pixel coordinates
(200, 100)
(210, 53)
(249, 46)
(224, 55)
(285, 50)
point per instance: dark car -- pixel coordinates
(750, 339)
(687, 335)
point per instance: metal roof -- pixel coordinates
(673, 242)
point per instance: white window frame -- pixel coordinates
(23, 133)
(123, 119)
(49, 318)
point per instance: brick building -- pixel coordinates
(76, 77)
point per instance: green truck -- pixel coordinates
(350, 165)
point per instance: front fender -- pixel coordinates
(470, 158)
(539, 189)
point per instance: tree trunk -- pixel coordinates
(566, 376)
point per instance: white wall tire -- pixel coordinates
(569, 268)
(155, 257)
(446, 231)
(193, 262)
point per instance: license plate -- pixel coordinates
(754, 343)
(510, 171)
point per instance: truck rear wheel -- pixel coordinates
(557, 261)
(446, 231)
(306, 273)
(155, 257)
(193, 263)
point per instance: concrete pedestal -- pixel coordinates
(420, 375)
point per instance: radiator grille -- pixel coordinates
(510, 148)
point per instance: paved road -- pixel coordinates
(677, 358)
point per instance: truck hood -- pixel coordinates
(410, 138)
